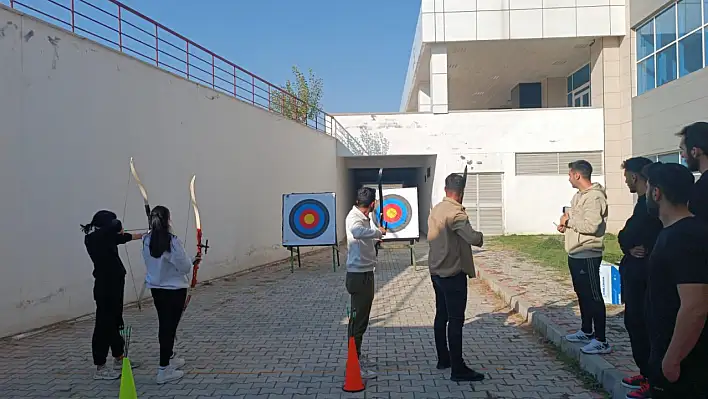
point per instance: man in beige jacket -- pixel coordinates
(450, 236)
(584, 226)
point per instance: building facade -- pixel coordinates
(488, 55)
(672, 80)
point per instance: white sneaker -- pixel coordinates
(106, 373)
(364, 361)
(168, 374)
(596, 347)
(579, 336)
(176, 362)
(118, 364)
(368, 374)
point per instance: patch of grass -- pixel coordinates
(549, 250)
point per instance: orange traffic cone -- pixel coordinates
(352, 376)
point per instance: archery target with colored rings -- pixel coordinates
(400, 209)
(309, 219)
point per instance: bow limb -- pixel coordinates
(381, 209)
(143, 192)
(205, 246)
(464, 183)
(146, 204)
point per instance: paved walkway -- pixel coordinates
(273, 334)
(550, 292)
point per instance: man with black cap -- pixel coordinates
(637, 240)
(450, 236)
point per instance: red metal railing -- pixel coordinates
(116, 25)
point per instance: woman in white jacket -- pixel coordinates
(168, 271)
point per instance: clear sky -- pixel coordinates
(360, 48)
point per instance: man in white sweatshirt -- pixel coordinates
(361, 261)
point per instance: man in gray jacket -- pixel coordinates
(584, 226)
(361, 261)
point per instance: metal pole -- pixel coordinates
(157, 52)
(120, 29)
(187, 60)
(72, 15)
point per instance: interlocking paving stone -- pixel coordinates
(551, 293)
(273, 334)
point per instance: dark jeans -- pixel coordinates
(360, 287)
(109, 320)
(634, 288)
(169, 305)
(692, 383)
(585, 274)
(450, 304)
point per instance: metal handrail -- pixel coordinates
(128, 35)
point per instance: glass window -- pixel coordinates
(645, 40)
(666, 65)
(689, 16)
(579, 87)
(674, 157)
(673, 44)
(581, 77)
(666, 27)
(690, 53)
(645, 75)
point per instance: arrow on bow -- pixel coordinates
(146, 203)
(200, 246)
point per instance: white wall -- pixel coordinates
(73, 113)
(463, 20)
(487, 141)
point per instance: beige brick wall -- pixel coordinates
(611, 80)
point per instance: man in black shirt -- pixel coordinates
(694, 150)
(637, 240)
(677, 290)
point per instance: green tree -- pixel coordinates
(300, 99)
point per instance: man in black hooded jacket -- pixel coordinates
(637, 240)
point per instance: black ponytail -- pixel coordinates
(160, 233)
(102, 219)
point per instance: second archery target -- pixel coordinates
(309, 219)
(400, 209)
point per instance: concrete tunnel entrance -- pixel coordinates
(399, 172)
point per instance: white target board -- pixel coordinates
(400, 208)
(309, 219)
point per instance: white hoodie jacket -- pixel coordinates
(361, 241)
(171, 270)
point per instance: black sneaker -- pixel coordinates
(466, 374)
(442, 365)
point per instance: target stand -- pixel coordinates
(400, 215)
(309, 220)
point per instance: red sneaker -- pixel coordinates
(634, 382)
(644, 392)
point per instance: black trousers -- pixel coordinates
(586, 283)
(360, 287)
(450, 305)
(169, 305)
(634, 289)
(692, 383)
(109, 320)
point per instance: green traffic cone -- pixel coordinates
(127, 383)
